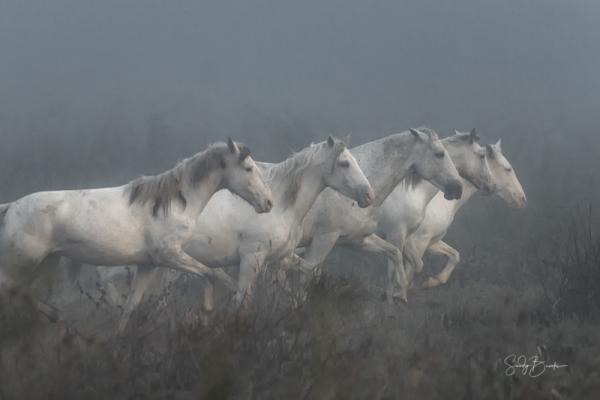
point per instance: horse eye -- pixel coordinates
(344, 164)
(482, 156)
(508, 169)
(440, 154)
(248, 169)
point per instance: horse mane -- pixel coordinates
(411, 179)
(290, 171)
(3, 210)
(428, 131)
(162, 189)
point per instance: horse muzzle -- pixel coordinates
(453, 190)
(266, 207)
(366, 198)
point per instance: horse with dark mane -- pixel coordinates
(146, 221)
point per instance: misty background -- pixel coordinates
(98, 93)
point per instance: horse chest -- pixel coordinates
(282, 242)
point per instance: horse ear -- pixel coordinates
(498, 145)
(330, 141)
(418, 134)
(489, 151)
(473, 136)
(244, 152)
(232, 146)
(347, 139)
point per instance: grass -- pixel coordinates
(342, 341)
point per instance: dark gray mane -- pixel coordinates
(411, 179)
(3, 210)
(160, 190)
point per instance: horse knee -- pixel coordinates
(209, 298)
(454, 257)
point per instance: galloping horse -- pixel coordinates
(404, 209)
(408, 156)
(146, 221)
(229, 233)
(440, 213)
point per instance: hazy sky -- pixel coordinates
(353, 64)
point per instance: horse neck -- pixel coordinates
(385, 163)
(298, 194)
(198, 194)
(427, 191)
(468, 191)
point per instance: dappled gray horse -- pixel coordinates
(146, 221)
(404, 209)
(229, 233)
(408, 156)
(440, 213)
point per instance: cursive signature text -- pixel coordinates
(529, 366)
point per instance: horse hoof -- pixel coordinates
(401, 295)
(430, 283)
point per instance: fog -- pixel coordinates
(507, 67)
(96, 93)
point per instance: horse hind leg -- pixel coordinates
(19, 272)
(143, 278)
(453, 255)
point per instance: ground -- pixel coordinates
(344, 341)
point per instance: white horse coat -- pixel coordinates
(440, 214)
(404, 209)
(145, 221)
(229, 233)
(409, 156)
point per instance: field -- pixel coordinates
(340, 341)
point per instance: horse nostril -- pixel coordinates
(370, 195)
(269, 204)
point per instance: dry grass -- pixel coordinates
(341, 342)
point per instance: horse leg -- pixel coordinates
(143, 277)
(453, 255)
(375, 244)
(395, 238)
(320, 246)
(250, 265)
(43, 279)
(169, 253)
(20, 262)
(209, 296)
(412, 259)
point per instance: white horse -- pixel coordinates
(146, 221)
(404, 209)
(229, 233)
(408, 156)
(440, 214)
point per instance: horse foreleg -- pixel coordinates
(318, 250)
(250, 265)
(453, 255)
(413, 260)
(209, 296)
(375, 244)
(174, 257)
(144, 276)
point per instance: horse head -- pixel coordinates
(432, 162)
(508, 186)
